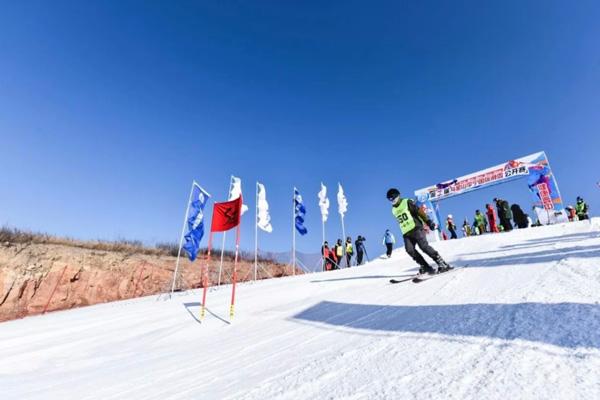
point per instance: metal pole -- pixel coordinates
(187, 210)
(344, 242)
(323, 226)
(221, 263)
(322, 244)
(555, 182)
(205, 277)
(256, 234)
(294, 233)
(224, 235)
(235, 261)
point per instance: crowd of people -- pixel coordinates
(505, 217)
(494, 220)
(341, 254)
(579, 212)
(414, 222)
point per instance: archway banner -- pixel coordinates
(535, 167)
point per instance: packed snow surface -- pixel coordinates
(520, 321)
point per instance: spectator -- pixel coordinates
(504, 213)
(349, 252)
(388, 241)
(328, 257)
(519, 216)
(475, 228)
(360, 249)
(581, 209)
(339, 252)
(491, 216)
(480, 222)
(572, 214)
(466, 228)
(451, 227)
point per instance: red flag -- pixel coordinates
(226, 215)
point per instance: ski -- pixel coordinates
(403, 280)
(426, 277)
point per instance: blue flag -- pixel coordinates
(299, 213)
(195, 222)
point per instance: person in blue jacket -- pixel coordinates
(388, 241)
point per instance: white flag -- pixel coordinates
(236, 191)
(323, 203)
(264, 219)
(342, 202)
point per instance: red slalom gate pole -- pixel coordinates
(205, 278)
(54, 290)
(237, 247)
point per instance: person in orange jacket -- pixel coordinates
(329, 257)
(491, 215)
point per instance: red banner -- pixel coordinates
(226, 215)
(545, 196)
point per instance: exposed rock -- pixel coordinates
(47, 277)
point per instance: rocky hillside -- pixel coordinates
(38, 277)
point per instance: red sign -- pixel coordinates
(545, 196)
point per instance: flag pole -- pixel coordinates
(343, 234)
(205, 276)
(256, 235)
(237, 247)
(221, 263)
(344, 241)
(323, 243)
(224, 235)
(322, 219)
(294, 233)
(187, 210)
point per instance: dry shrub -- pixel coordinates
(14, 235)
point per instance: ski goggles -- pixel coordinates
(394, 200)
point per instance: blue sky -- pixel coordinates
(109, 109)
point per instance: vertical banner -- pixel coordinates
(298, 213)
(195, 224)
(432, 212)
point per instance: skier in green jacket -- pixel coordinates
(411, 220)
(481, 222)
(581, 209)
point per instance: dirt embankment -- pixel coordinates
(38, 277)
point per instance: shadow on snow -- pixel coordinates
(362, 277)
(534, 257)
(567, 325)
(529, 243)
(189, 306)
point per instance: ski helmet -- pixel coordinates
(450, 216)
(392, 194)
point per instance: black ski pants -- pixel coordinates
(359, 257)
(389, 248)
(417, 237)
(506, 224)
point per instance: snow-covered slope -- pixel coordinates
(521, 321)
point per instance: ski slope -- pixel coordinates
(522, 321)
